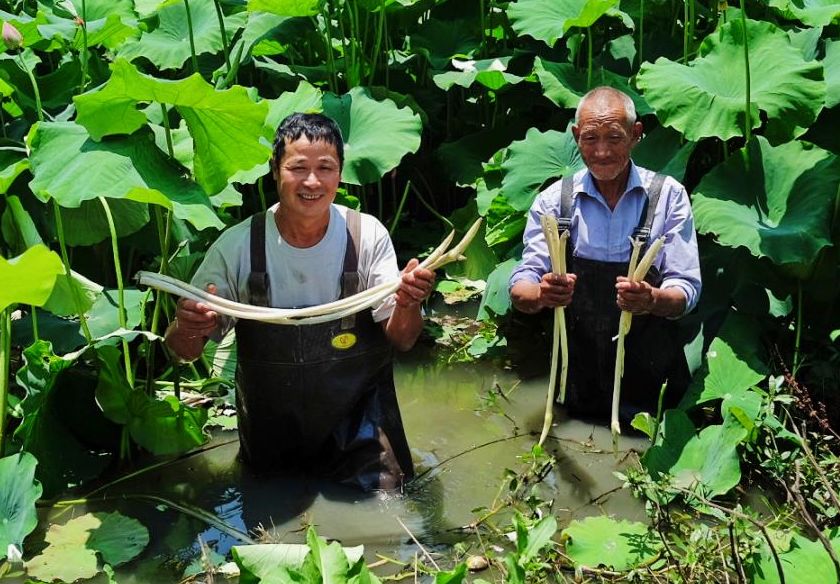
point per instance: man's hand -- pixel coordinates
(552, 291)
(556, 290)
(194, 321)
(415, 286)
(635, 297)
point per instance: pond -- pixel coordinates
(465, 424)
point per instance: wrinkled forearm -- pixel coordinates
(525, 297)
(668, 302)
(184, 346)
(404, 327)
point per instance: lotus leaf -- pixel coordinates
(496, 299)
(733, 364)
(12, 164)
(259, 26)
(564, 85)
(305, 98)
(707, 97)
(624, 47)
(227, 126)
(810, 12)
(118, 538)
(71, 553)
(491, 73)
(831, 63)
(286, 7)
(168, 45)
(549, 20)
(707, 461)
(377, 134)
(64, 460)
(109, 23)
(536, 159)
(775, 201)
(160, 426)
(454, 576)
(18, 493)
(70, 167)
(463, 159)
(803, 561)
(441, 40)
(663, 150)
(87, 224)
(602, 541)
(71, 294)
(29, 278)
(103, 317)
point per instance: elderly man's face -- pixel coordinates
(307, 178)
(604, 138)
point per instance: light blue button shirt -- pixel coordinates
(599, 233)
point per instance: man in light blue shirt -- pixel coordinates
(604, 206)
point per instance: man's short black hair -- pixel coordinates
(316, 127)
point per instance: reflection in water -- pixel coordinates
(465, 424)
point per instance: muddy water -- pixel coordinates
(463, 433)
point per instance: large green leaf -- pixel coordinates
(87, 224)
(439, 40)
(29, 278)
(775, 201)
(329, 558)
(118, 538)
(227, 126)
(70, 167)
(549, 20)
(536, 159)
(564, 85)
(161, 426)
(803, 562)
(305, 98)
(12, 163)
(286, 7)
(732, 363)
(810, 12)
(72, 547)
(602, 541)
(663, 150)
(831, 63)
(707, 97)
(18, 493)
(44, 431)
(707, 461)
(496, 299)
(268, 562)
(377, 134)
(168, 45)
(491, 73)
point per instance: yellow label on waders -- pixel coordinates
(343, 341)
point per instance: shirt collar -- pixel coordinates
(586, 182)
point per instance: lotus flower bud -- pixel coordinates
(12, 36)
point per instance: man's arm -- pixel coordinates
(552, 290)
(406, 322)
(642, 298)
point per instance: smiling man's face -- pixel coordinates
(307, 178)
(605, 139)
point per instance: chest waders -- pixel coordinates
(319, 398)
(652, 348)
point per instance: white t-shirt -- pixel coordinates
(298, 276)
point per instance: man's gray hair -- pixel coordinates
(604, 93)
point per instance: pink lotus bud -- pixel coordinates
(12, 36)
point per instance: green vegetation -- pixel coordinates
(134, 130)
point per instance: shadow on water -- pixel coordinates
(465, 424)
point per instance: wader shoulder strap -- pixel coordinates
(350, 273)
(258, 278)
(564, 223)
(642, 230)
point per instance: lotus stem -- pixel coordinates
(313, 314)
(39, 110)
(225, 48)
(747, 118)
(5, 368)
(192, 37)
(65, 258)
(636, 271)
(557, 254)
(115, 250)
